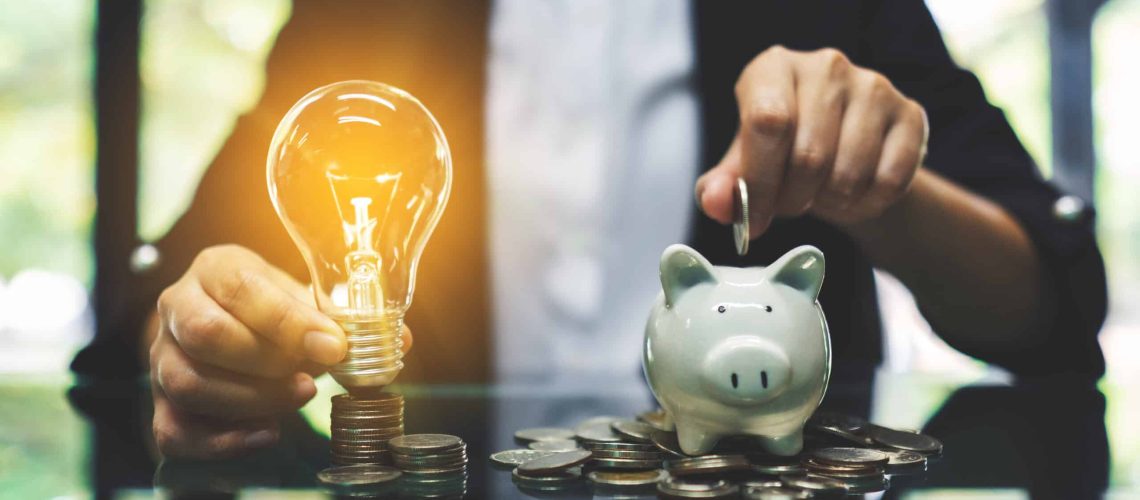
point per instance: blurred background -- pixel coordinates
(201, 66)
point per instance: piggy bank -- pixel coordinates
(738, 351)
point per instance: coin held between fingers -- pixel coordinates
(741, 219)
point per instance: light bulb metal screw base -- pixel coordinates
(375, 354)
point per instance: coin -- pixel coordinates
(850, 456)
(554, 462)
(822, 485)
(599, 431)
(904, 440)
(423, 443)
(554, 445)
(775, 493)
(843, 471)
(905, 462)
(554, 481)
(514, 458)
(543, 434)
(656, 418)
(740, 224)
(619, 446)
(707, 464)
(356, 475)
(667, 442)
(627, 478)
(598, 420)
(639, 432)
(672, 487)
(626, 463)
(629, 455)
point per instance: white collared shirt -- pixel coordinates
(592, 149)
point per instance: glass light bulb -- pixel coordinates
(359, 173)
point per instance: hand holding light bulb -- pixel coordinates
(238, 343)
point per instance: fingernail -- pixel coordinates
(323, 347)
(261, 439)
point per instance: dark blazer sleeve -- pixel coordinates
(434, 47)
(972, 144)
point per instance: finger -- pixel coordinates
(200, 389)
(183, 436)
(821, 101)
(272, 312)
(902, 153)
(406, 336)
(860, 142)
(209, 334)
(766, 96)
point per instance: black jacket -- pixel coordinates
(436, 49)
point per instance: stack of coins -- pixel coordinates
(551, 472)
(361, 427)
(427, 454)
(434, 465)
(860, 470)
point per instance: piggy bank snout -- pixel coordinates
(745, 371)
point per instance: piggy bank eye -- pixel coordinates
(768, 308)
(721, 309)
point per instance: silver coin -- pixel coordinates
(515, 458)
(707, 464)
(905, 462)
(672, 487)
(629, 455)
(842, 471)
(850, 456)
(760, 483)
(740, 224)
(632, 430)
(667, 442)
(627, 478)
(603, 446)
(358, 475)
(777, 469)
(822, 485)
(868, 485)
(555, 462)
(597, 431)
(543, 434)
(554, 445)
(593, 421)
(626, 463)
(776, 493)
(904, 440)
(414, 444)
(658, 419)
(849, 423)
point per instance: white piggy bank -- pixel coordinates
(732, 351)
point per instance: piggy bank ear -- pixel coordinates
(681, 269)
(801, 268)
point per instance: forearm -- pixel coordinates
(970, 265)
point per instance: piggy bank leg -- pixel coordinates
(784, 445)
(667, 422)
(694, 439)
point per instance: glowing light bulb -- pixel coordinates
(359, 173)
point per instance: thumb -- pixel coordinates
(715, 189)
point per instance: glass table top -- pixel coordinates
(1041, 440)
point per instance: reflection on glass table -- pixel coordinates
(1044, 440)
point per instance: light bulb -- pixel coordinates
(359, 173)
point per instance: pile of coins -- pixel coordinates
(428, 454)
(433, 464)
(842, 455)
(362, 427)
